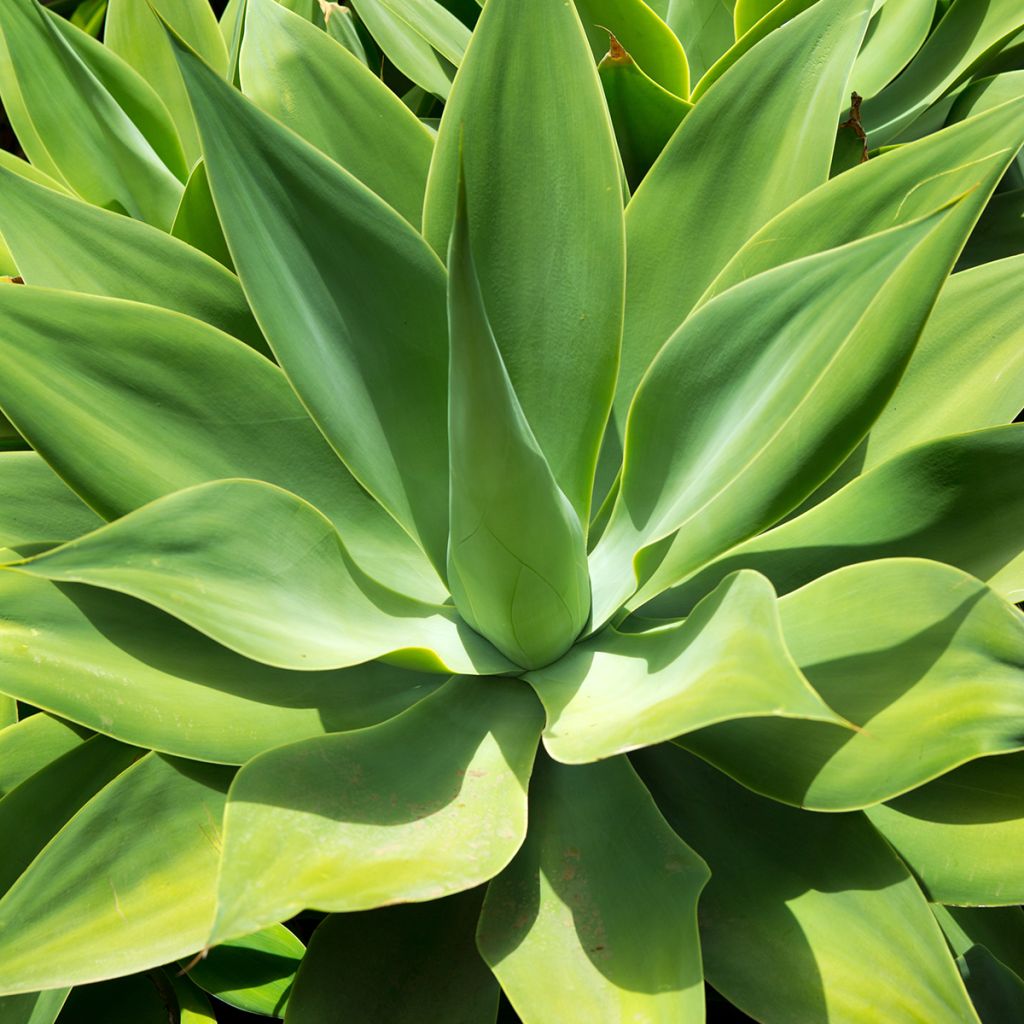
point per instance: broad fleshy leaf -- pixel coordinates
(548, 240)
(595, 919)
(348, 294)
(705, 28)
(126, 885)
(999, 929)
(895, 33)
(396, 964)
(411, 819)
(925, 659)
(807, 917)
(616, 691)
(355, 119)
(517, 558)
(196, 222)
(266, 574)
(31, 744)
(962, 834)
(125, 669)
(33, 1007)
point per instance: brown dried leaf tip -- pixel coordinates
(853, 121)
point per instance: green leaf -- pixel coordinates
(340, 24)
(1000, 231)
(615, 691)
(135, 32)
(61, 242)
(705, 28)
(962, 833)
(266, 574)
(196, 221)
(967, 31)
(355, 118)
(254, 973)
(156, 401)
(36, 507)
(928, 661)
(643, 34)
(997, 993)
(999, 929)
(37, 809)
(548, 239)
(738, 159)
(595, 919)
(761, 394)
(955, 500)
(895, 34)
(33, 1007)
(807, 917)
(85, 118)
(320, 257)
(31, 744)
(413, 819)
(517, 559)
(129, 671)
(420, 37)
(747, 13)
(126, 885)
(643, 113)
(396, 964)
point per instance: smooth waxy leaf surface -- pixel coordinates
(392, 964)
(927, 660)
(705, 28)
(962, 833)
(265, 574)
(196, 221)
(253, 973)
(85, 118)
(134, 31)
(997, 993)
(741, 134)
(999, 929)
(596, 916)
(128, 670)
(548, 240)
(355, 119)
(807, 917)
(895, 34)
(31, 744)
(60, 242)
(762, 393)
(126, 885)
(411, 819)
(33, 1007)
(156, 401)
(616, 691)
(517, 559)
(956, 500)
(349, 296)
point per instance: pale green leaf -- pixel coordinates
(517, 559)
(411, 818)
(747, 13)
(340, 24)
(393, 964)
(894, 36)
(548, 239)
(926, 660)
(126, 885)
(808, 918)
(309, 82)
(595, 919)
(615, 691)
(705, 28)
(266, 574)
(196, 221)
(125, 669)
(962, 834)
(31, 744)
(349, 296)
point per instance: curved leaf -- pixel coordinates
(196, 221)
(742, 133)
(392, 964)
(616, 691)
(517, 560)
(349, 296)
(548, 238)
(417, 819)
(126, 885)
(962, 833)
(31, 744)
(355, 119)
(264, 573)
(33, 1007)
(807, 917)
(895, 34)
(926, 660)
(999, 929)
(595, 919)
(705, 28)
(127, 670)
(129, 402)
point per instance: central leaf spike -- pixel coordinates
(517, 563)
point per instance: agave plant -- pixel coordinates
(564, 549)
